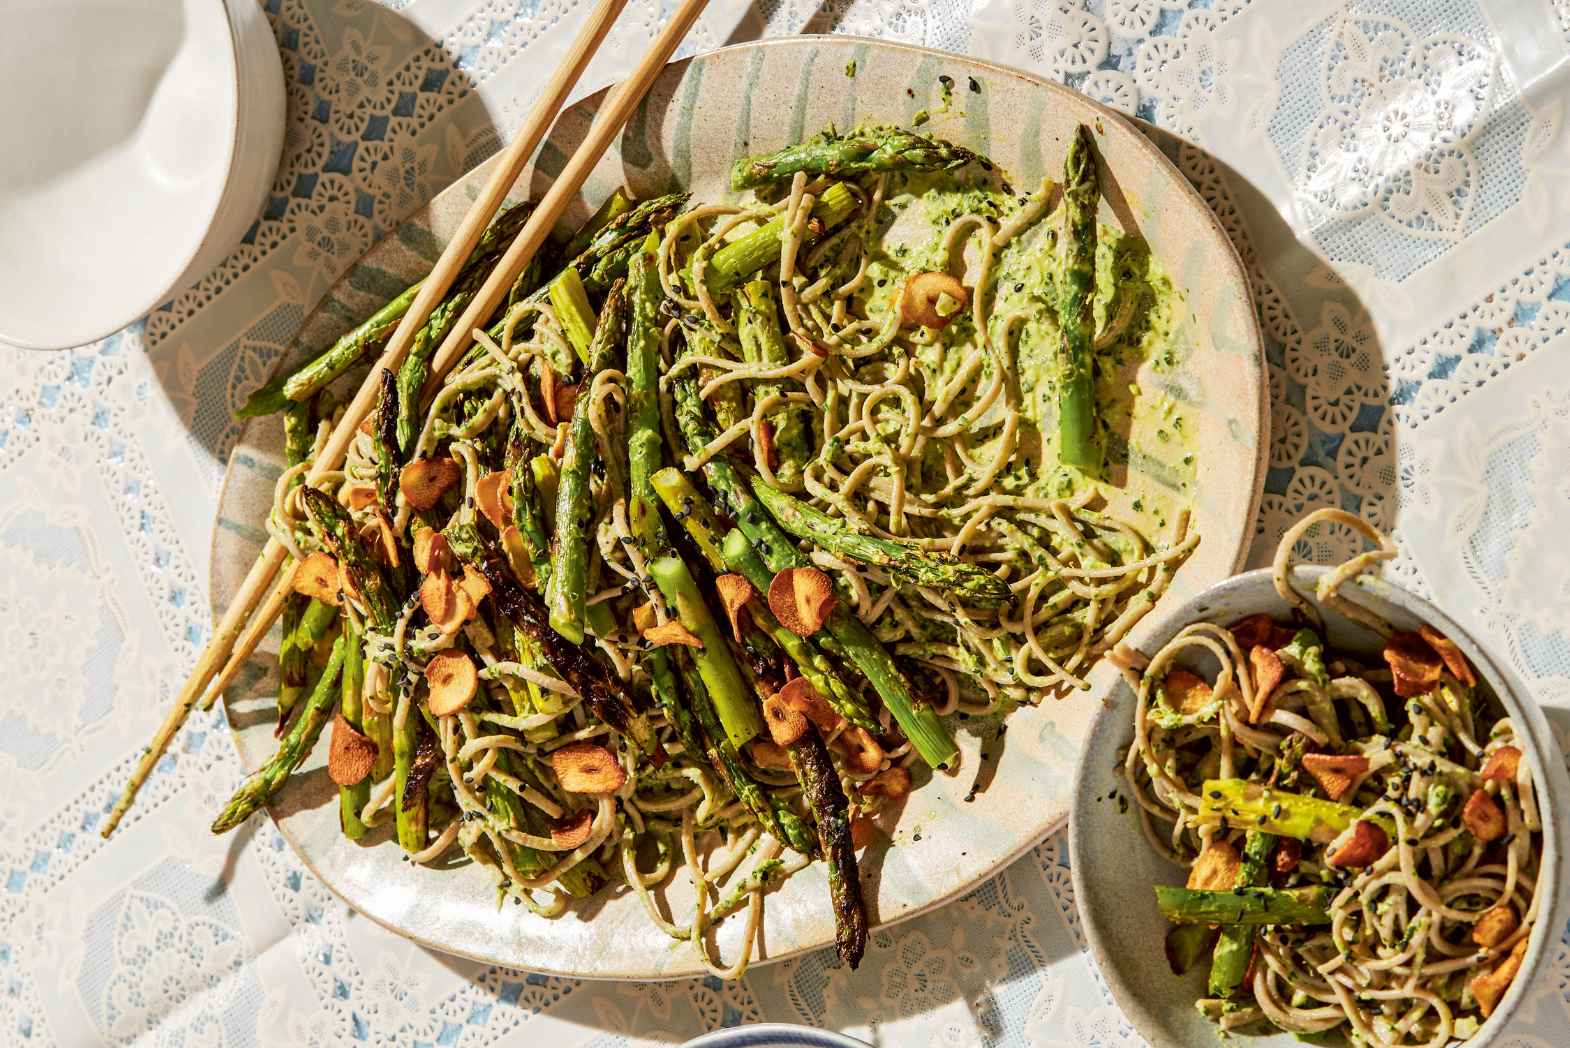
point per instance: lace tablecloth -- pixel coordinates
(1396, 174)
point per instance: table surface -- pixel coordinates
(1395, 174)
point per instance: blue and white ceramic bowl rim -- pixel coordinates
(775, 1035)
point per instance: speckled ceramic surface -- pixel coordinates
(699, 117)
(1115, 868)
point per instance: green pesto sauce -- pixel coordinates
(1147, 426)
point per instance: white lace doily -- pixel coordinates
(1394, 173)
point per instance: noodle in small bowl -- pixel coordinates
(1383, 952)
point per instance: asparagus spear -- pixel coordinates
(1305, 653)
(413, 764)
(352, 799)
(622, 236)
(735, 262)
(1236, 945)
(1284, 814)
(855, 153)
(970, 583)
(726, 401)
(565, 593)
(599, 264)
(761, 663)
(820, 784)
(1251, 906)
(294, 649)
(386, 442)
(733, 552)
(645, 452)
(580, 882)
(509, 809)
(758, 326)
(573, 311)
(615, 205)
(304, 381)
(337, 358)
(721, 752)
(378, 728)
(920, 725)
(1076, 318)
(740, 557)
(335, 530)
(416, 367)
(607, 698)
(527, 512)
(302, 735)
(546, 478)
(722, 681)
(1186, 943)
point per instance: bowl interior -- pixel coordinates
(1115, 868)
(124, 165)
(699, 116)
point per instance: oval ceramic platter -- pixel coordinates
(701, 115)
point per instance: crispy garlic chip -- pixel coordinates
(1361, 847)
(1216, 868)
(317, 577)
(493, 494)
(786, 724)
(890, 782)
(424, 481)
(802, 599)
(431, 551)
(932, 299)
(1413, 663)
(671, 632)
(862, 753)
(735, 593)
(1336, 775)
(584, 767)
(800, 695)
(572, 830)
(350, 755)
(452, 681)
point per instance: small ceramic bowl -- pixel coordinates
(775, 1035)
(1114, 867)
(142, 137)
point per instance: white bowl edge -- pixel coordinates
(1226, 601)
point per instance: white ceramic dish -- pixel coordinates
(775, 1035)
(1114, 868)
(141, 139)
(700, 115)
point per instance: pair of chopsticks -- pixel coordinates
(239, 631)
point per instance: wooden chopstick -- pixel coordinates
(617, 110)
(222, 646)
(607, 124)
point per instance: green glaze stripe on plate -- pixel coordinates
(798, 113)
(769, 94)
(744, 111)
(681, 158)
